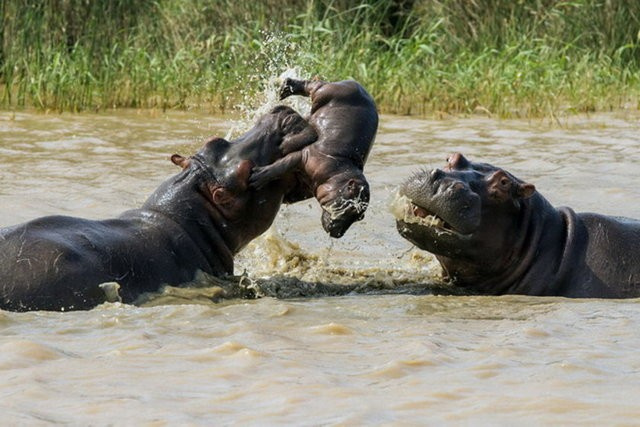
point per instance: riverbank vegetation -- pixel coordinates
(507, 58)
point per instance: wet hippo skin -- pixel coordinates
(345, 119)
(495, 234)
(195, 221)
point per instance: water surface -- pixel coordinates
(352, 360)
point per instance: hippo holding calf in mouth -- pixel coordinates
(195, 221)
(495, 234)
(345, 119)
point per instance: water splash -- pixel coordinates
(343, 206)
(281, 56)
(278, 256)
(272, 257)
(400, 207)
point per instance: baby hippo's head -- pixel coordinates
(344, 199)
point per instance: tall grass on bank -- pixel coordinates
(508, 58)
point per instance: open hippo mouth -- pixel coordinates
(429, 219)
(409, 212)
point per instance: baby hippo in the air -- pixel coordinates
(345, 118)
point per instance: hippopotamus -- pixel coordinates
(194, 222)
(495, 234)
(331, 161)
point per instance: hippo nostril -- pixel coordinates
(436, 174)
(457, 161)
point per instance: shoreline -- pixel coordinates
(624, 114)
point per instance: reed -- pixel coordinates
(499, 57)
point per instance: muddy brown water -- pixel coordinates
(394, 359)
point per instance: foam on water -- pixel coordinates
(282, 269)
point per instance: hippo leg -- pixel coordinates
(297, 141)
(262, 175)
(292, 87)
(299, 87)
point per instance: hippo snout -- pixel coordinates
(337, 219)
(336, 231)
(336, 227)
(445, 195)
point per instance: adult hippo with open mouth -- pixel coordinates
(195, 221)
(495, 234)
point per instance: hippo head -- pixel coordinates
(224, 186)
(344, 199)
(465, 213)
(220, 172)
(225, 166)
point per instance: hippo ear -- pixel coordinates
(221, 196)
(526, 190)
(181, 161)
(227, 202)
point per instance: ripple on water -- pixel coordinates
(356, 360)
(400, 368)
(331, 329)
(25, 353)
(231, 348)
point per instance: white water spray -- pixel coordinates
(282, 56)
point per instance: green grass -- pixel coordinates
(501, 57)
